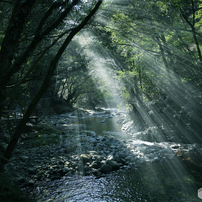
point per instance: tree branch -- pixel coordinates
(44, 86)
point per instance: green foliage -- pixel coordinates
(40, 135)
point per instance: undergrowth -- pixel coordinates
(40, 135)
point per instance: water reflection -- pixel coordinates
(95, 124)
(113, 187)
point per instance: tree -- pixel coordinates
(12, 63)
(162, 69)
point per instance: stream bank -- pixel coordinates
(48, 159)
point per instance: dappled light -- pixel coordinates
(117, 87)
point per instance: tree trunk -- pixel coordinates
(10, 43)
(12, 37)
(44, 86)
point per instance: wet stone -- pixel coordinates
(24, 158)
(114, 165)
(105, 168)
(32, 170)
(85, 157)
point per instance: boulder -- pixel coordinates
(85, 158)
(114, 165)
(105, 168)
(96, 172)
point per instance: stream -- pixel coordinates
(154, 178)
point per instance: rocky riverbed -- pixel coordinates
(71, 149)
(43, 156)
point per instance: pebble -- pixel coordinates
(93, 155)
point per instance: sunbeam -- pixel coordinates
(121, 119)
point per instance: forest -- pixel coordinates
(106, 93)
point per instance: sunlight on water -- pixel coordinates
(180, 93)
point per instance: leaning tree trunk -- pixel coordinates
(44, 86)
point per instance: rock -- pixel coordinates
(94, 164)
(75, 126)
(66, 169)
(169, 150)
(103, 121)
(30, 183)
(93, 140)
(99, 109)
(96, 172)
(98, 158)
(128, 158)
(70, 148)
(110, 157)
(100, 139)
(156, 159)
(122, 155)
(92, 152)
(107, 152)
(31, 170)
(122, 161)
(105, 168)
(20, 180)
(114, 165)
(85, 158)
(61, 122)
(116, 158)
(24, 158)
(78, 113)
(107, 112)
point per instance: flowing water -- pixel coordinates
(100, 125)
(165, 181)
